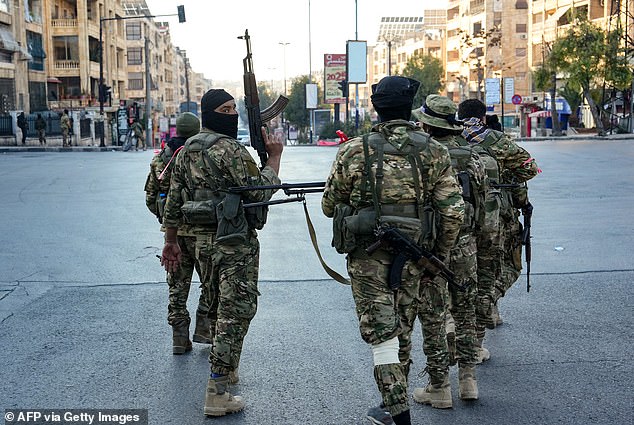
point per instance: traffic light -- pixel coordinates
(181, 13)
(343, 86)
(105, 93)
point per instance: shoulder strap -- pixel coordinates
(160, 177)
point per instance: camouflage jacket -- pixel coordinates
(233, 166)
(155, 186)
(475, 168)
(344, 182)
(64, 122)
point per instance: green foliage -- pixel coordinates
(429, 71)
(296, 112)
(542, 79)
(266, 96)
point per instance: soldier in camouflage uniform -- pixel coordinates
(514, 166)
(227, 247)
(391, 175)
(156, 189)
(438, 118)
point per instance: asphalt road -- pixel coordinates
(83, 301)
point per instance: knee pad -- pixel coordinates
(386, 352)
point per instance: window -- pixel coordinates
(66, 48)
(4, 6)
(93, 49)
(520, 28)
(133, 31)
(34, 44)
(521, 4)
(135, 56)
(135, 81)
(477, 27)
(520, 51)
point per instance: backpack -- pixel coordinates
(464, 164)
(493, 202)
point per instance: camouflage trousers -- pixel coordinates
(463, 263)
(180, 281)
(232, 272)
(489, 270)
(65, 138)
(384, 314)
(511, 264)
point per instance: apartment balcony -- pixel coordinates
(538, 5)
(61, 27)
(66, 68)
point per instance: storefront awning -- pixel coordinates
(539, 114)
(7, 41)
(53, 80)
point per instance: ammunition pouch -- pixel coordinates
(233, 228)
(343, 240)
(202, 213)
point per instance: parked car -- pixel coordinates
(243, 136)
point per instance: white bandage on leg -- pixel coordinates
(386, 352)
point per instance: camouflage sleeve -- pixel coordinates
(152, 189)
(338, 184)
(448, 203)
(242, 170)
(517, 164)
(172, 215)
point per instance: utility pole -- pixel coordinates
(148, 92)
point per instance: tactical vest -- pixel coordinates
(462, 163)
(493, 201)
(353, 229)
(211, 204)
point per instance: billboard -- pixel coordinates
(311, 96)
(356, 53)
(334, 71)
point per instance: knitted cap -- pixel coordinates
(187, 125)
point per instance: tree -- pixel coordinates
(266, 97)
(546, 80)
(296, 112)
(590, 57)
(429, 71)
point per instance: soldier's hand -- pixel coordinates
(273, 146)
(171, 257)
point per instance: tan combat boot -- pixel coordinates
(218, 401)
(202, 331)
(438, 395)
(467, 381)
(180, 338)
(482, 353)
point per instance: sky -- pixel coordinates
(210, 34)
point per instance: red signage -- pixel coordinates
(516, 99)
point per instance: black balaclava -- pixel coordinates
(393, 97)
(226, 124)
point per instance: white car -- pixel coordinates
(243, 136)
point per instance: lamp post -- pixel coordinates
(284, 44)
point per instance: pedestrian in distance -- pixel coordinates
(438, 118)
(23, 125)
(40, 126)
(227, 246)
(137, 131)
(499, 239)
(179, 282)
(64, 123)
(394, 177)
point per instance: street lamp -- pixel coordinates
(479, 73)
(284, 44)
(389, 39)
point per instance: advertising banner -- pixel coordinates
(334, 72)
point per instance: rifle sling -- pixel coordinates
(313, 238)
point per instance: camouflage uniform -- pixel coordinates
(463, 257)
(516, 166)
(65, 126)
(156, 187)
(208, 162)
(137, 128)
(384, 314)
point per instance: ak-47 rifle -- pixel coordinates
(406, 249)
(527, 212)
(298, 190)
(257, 118)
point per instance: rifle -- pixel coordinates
(298, 190)
(527, 212)
(407, 250)
(257, 118)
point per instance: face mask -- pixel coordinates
(226, 124)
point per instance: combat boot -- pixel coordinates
(468, 385)
(180, 338)
(219, 401)
(438, 395)
(482, 353)
(202, 331)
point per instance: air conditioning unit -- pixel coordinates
(523, 36)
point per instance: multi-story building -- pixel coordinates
(22, 67)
